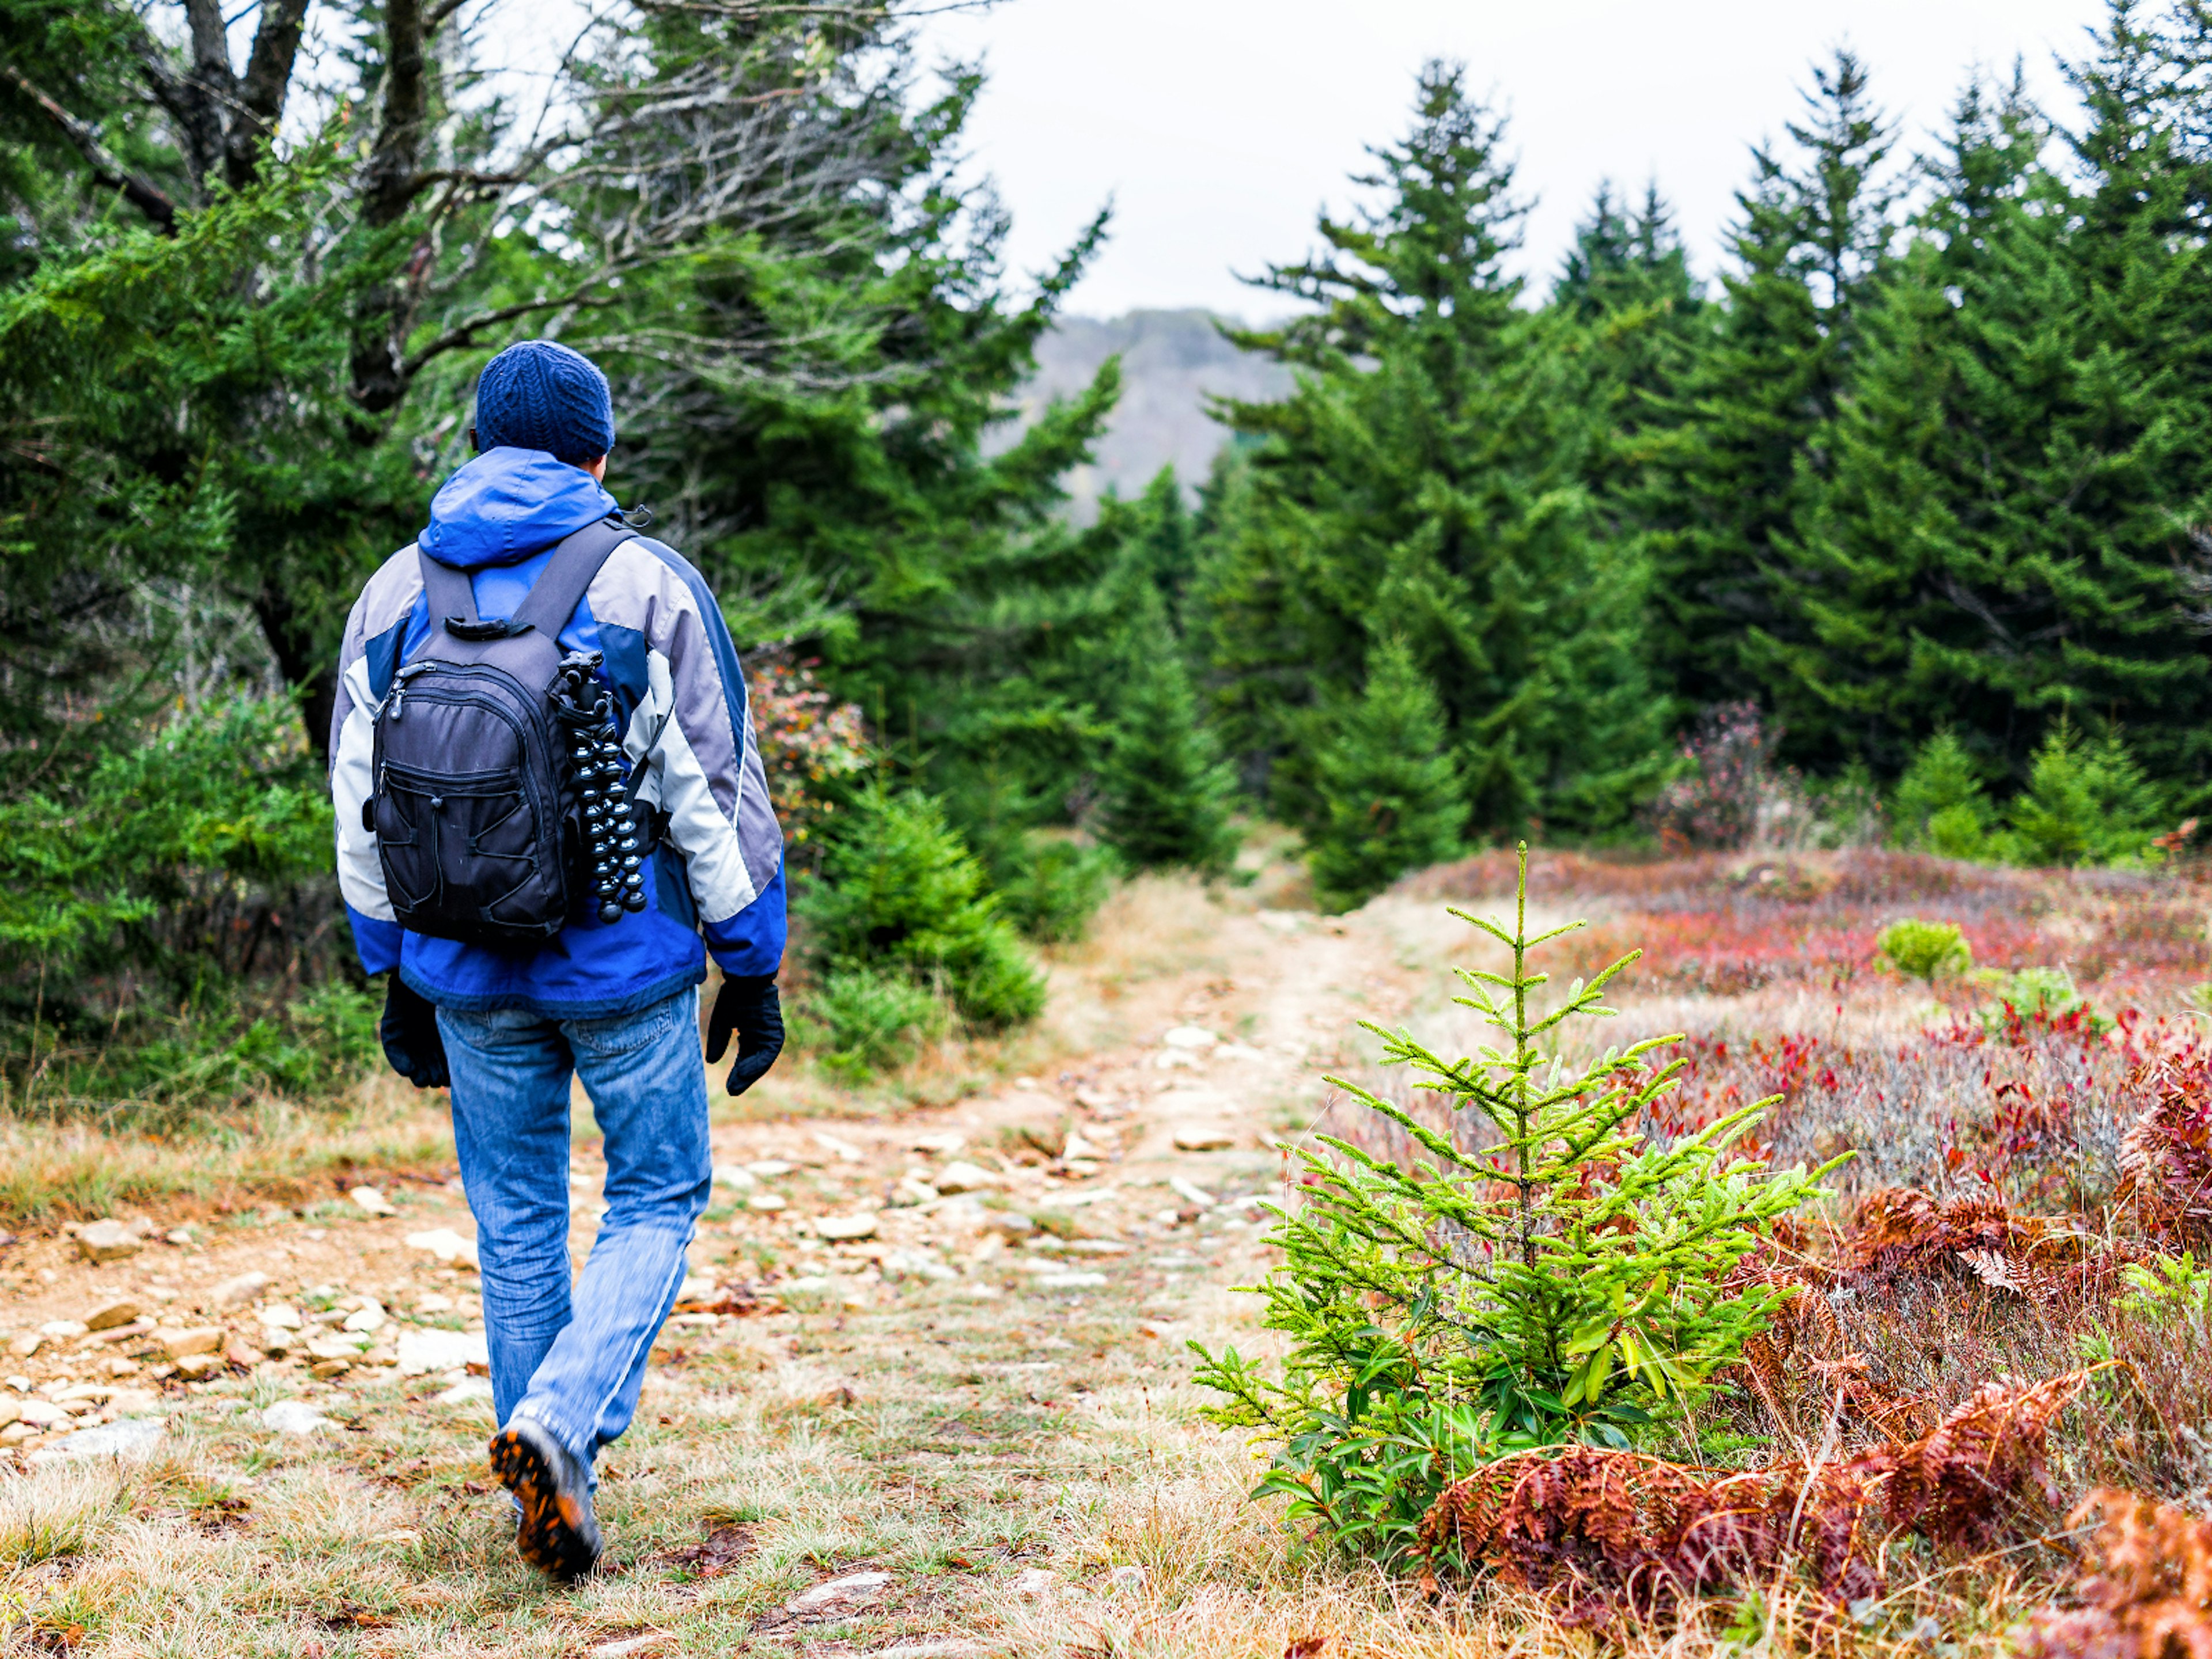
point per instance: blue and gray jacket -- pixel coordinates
(681, 700)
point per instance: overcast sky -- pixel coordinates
(1218, 127)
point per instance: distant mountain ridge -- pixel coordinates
(1171, 361)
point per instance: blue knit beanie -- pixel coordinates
(539, 395)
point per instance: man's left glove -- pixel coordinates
(748, 1004)
(410, 1035)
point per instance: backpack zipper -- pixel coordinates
(400, 686)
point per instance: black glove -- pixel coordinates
(747, 1004)
(410, 1035)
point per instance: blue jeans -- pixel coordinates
(575, 1361)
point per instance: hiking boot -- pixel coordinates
(557, 1532)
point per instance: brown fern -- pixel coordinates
(1609, 1532)
(2166, 1158)
(2146, 1587)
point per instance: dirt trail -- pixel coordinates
(965, 1293)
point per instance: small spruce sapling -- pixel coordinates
(1559, 1276)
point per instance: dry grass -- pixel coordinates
(277, 1153)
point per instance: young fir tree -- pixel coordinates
(1428, 468)
(1391, 798)
(1538, 1272)
(1725, 481)
(1167, 791)
(2004, 533)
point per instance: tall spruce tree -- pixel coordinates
(1424, 481)
(1749, 440)
(2003, 543)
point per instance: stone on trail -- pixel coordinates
(839, 1592)
(441, 1350)
(371, 1201)
(767, 1203)
(1203, 1137)
(281, 1316)
(61, 1330)
(735, 1177)
(133, 1436)
(468, 1388)
(766, 1168)
(941, 1143)
(39, 1413)
(24, 1343)
(1191, 1192)
(844, 1151)
(962, 1176)
(841, 1229)
(1067, 1281)
(446, 1245)
(108, 1315)
(236, 1293)
(196, 1366)
(293, 1417)
(107, 1240)
(203, 1338)
(1189, 1036)
(366, 1319)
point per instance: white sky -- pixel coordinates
(1219, 127)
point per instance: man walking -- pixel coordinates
(532, 852)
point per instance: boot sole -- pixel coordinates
(549, 1537)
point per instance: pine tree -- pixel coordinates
(1392, 801)
(1166, 791)
(2003, 542)
(1424, 481)
(1726, 484)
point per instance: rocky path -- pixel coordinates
(905, 1342)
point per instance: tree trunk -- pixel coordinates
(302, 663)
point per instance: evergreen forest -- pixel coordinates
(1897, 530)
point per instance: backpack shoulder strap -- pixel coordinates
(450, 592)
(554, 595)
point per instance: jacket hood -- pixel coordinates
(508, 504)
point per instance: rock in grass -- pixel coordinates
(236, 1293)
(962, 1176)
(1203, 1137)
(108, 1315)
(446, 1245)
(132, 1438)
(107, 1240)
(840, 1592)
(371, 1201)
(841, 1229)
(441, 1350)
(293, 1417)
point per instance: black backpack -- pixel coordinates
(498, 797)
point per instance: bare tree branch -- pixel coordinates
(260, 102)
(106, 171)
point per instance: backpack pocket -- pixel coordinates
(459, 849)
